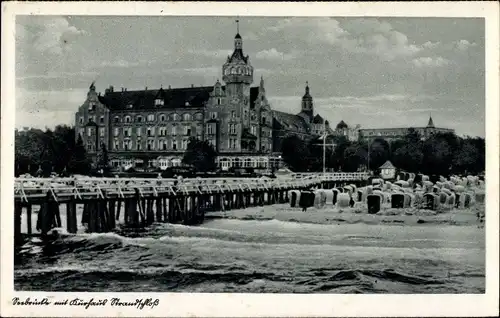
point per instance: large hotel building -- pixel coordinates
(152, 126)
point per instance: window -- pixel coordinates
(246, 115)
(199, 129)
(232, 129)
(218, 101)
(92, 119)
(252, 116)
(151, 117)
(116, 144)
(81, 120)
(127, 119)
(174, 144)
(151, 144)
(162, 144)
(161, 131)
(270, 133)
(116, 131)
(186, 117)
(127, 144)
(116, 119)
(159, 102)
(233, 114)
(211, 142)
(232, 143)
(89, 131)
(101, 131)
(151, 131)
(89, 147)
(127, 132)
(139, 119)
(263, 120)
(210, 130)
(175, 117)
(253, 130)
(184, 143)
(187, 130)
(162, 117)
(174, 130)
(213, 115)
(199, 116)
(101, 120)
(92, 106)
(139, 144)
(138, 131)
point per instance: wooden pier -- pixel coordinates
(137, 203)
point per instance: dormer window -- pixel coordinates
(159, 102)
(92, 106)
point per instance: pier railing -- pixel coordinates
(26, 189)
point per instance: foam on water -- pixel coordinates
(276, 249)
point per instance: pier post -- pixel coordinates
(18, 211)
(71, 222)
(159, 209)
(111, 216)
(28, 219)
(150, 215)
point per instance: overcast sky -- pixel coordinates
(386, 72)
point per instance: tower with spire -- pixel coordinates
(307, 108)
(237, 72)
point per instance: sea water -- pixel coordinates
(272, 249)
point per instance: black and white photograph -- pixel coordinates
(244, 153)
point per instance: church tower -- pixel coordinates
(237, 73)
(307, 104)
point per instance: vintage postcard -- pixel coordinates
(249, 159)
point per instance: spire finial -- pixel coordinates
(238, 26)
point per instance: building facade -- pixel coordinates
(152, 127)
(398, 133)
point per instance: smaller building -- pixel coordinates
(351, 133)
(387, 171)
(398, 133)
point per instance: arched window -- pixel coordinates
(151, 117)
(162, 117)
(127, 119)
(199, 116)
(116, 119)
(186, 117)
(174, 117)
(139, 119)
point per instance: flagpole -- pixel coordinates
(324, 148)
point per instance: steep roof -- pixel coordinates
(318, 119)
(387, 165)
(145, 99)
(342, 125)
(430, 124)
(290, 121)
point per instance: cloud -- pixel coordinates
(430, 62)
(55, 35)
(365, 36)
(464, 45)
(275, 55)
(431, 45)
(57, 75)
(211, 53)
(118, 63)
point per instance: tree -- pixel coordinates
(379, 153)
(295, 153)
(79, 163)
(355, 156)
(200, 154)
(103, 159)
